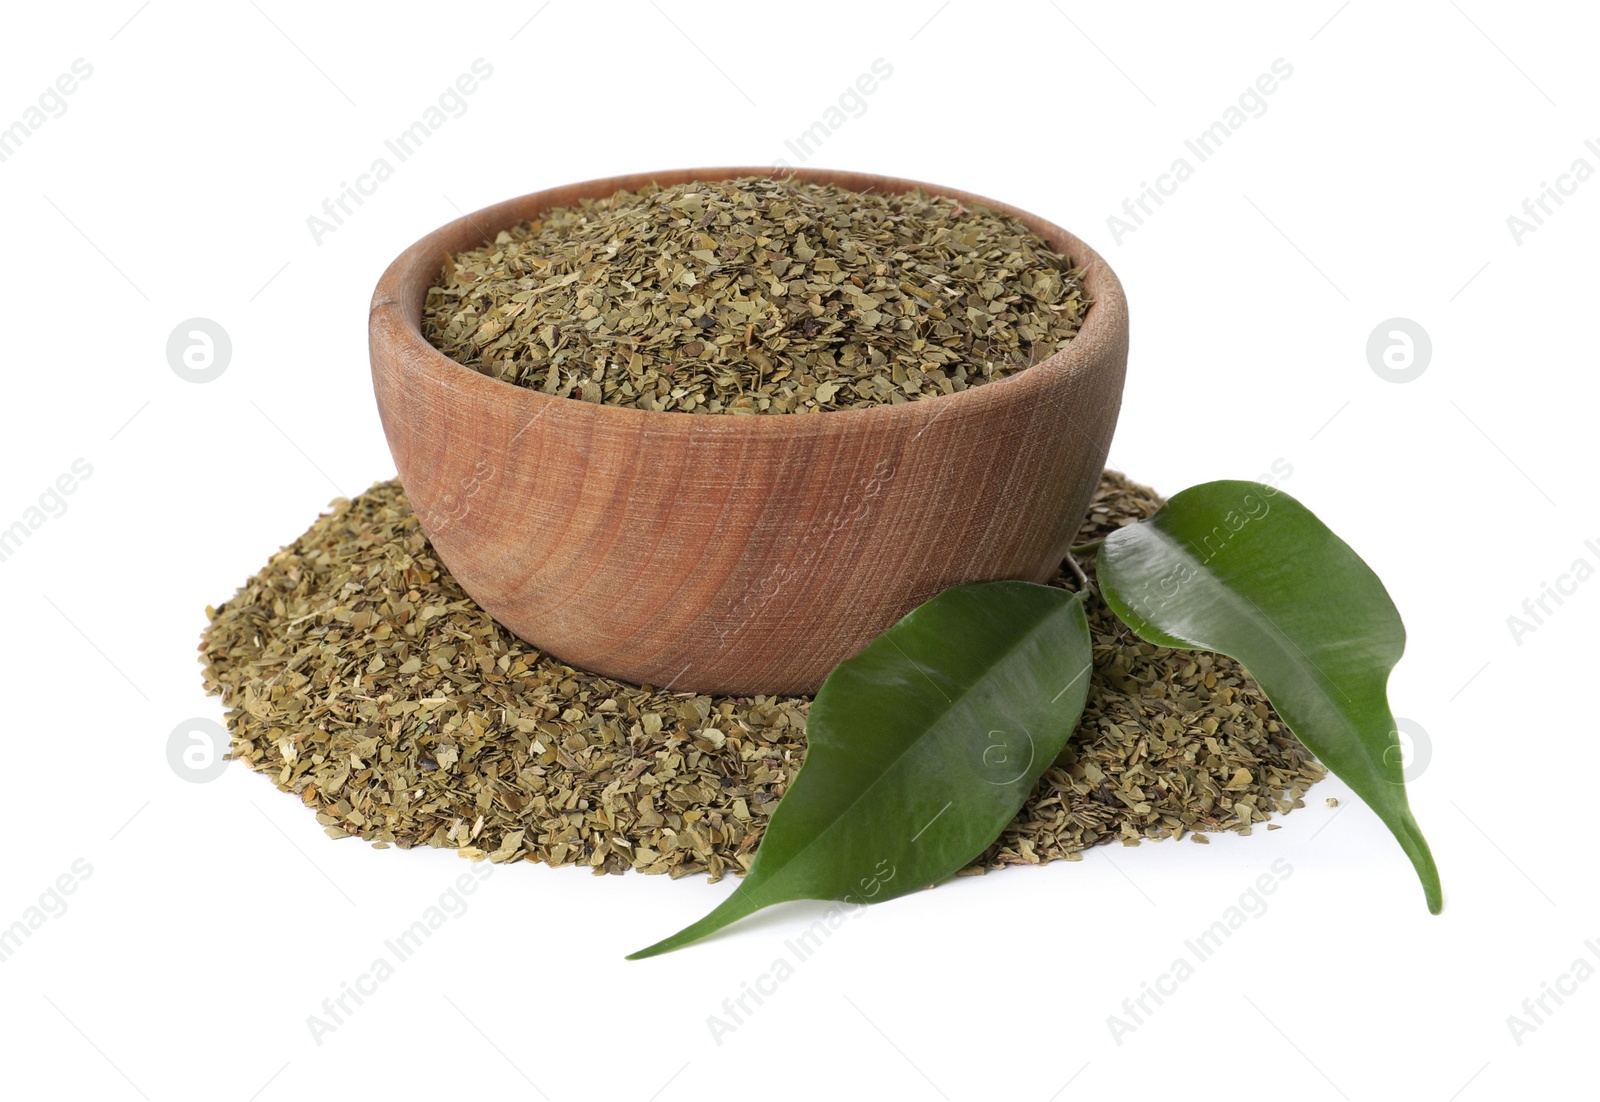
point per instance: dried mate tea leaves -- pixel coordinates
(757, 295)
(360, 678)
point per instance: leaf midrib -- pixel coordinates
(939, 718)
(1319, 679)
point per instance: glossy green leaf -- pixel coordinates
(1245, 570)
(920, 750)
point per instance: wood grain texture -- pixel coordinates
(735, 554)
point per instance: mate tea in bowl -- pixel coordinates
(564, 480)
(757, 295)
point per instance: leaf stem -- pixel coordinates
(1083, 579)
(1088, 548)
(1085, 586)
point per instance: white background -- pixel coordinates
(217, 917)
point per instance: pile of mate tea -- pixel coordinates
(361, 679)
(757, 295)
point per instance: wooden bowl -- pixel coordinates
(727, 554)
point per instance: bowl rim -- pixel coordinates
(395, 315)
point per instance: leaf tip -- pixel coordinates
(1416, 847)
(650, 951)
(665, 945)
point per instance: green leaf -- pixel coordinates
(920, 750)
(1245, 570)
